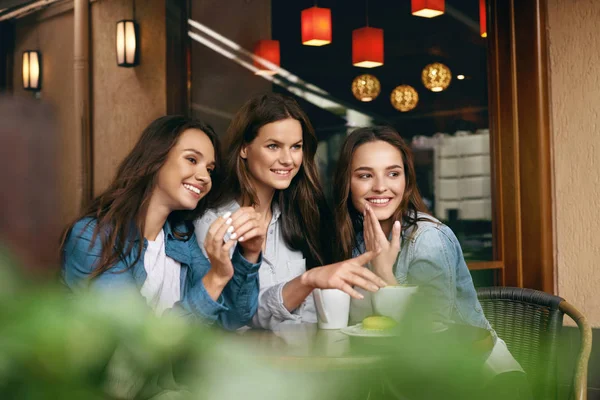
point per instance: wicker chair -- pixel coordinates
(530, 323)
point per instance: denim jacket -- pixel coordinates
(431, 257)
(233, 309)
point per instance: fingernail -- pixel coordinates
(227, 214)
(228, 221)
(374, 288)
(360, 296)
(230, 229)
(241, 239)
(233, 236)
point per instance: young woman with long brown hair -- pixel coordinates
(376, 198)
(138, 233)
(271, 167)
(378, 205)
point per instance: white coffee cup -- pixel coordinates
(333, 308)
(393, 301)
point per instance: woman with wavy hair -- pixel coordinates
(271, 167)
(378, 205)
(139, 234)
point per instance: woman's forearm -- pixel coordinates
(214, 284)
(295, 292)
(387, 275)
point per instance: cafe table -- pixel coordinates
(304, 347)
(374, 365)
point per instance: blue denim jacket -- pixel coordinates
(431, 257)
(234, 308)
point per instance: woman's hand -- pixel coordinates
(243, 225)
(218, 250)
(221, 269)
(344, 275)
(250, 232)
(375, 239)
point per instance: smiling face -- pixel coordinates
(184, 178)
(377, 179)
(274, 157)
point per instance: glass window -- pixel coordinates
(442, 60)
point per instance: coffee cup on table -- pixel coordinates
(333, 308)
(393, 301)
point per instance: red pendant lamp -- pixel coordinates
(316, 26)
(427, 8)
(482, 19)
(269, 50)
(367, 47)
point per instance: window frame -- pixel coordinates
(520, 135)
(521, 146)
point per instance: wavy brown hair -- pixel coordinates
(120, 211)
(348, 220)
(302, 204)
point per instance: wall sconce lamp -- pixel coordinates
(32, 70)
(127, 43)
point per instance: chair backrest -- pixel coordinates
(530, 322)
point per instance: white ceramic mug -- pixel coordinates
(393, 301)
(333, 308)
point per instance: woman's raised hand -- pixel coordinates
(345, 274)
(217, 249)
(242, 225)
(248, 229)
(375, 239)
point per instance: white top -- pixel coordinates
(280, 265)
(162, 287)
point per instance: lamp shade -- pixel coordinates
(269, 51)
(367, 47)
(127, 43)
(316, 26)
(436, 77)
(482, 19)
(427, 8)
(32, 70)
(366, 87)
(404, 98)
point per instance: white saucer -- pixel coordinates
(358, 331)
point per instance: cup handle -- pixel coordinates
(320, 304)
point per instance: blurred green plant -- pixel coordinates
(55, 345)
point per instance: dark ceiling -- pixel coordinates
(410, 43)
(13, 3)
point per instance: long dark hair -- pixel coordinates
(348, 220)
(120, 211)
(302, 204)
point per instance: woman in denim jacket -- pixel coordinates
(139, 234)
(376, 198)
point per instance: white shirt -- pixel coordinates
(162, 287)
(280, 265)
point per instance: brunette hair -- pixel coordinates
(302, 204)
(348, 220)
(120, 211)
